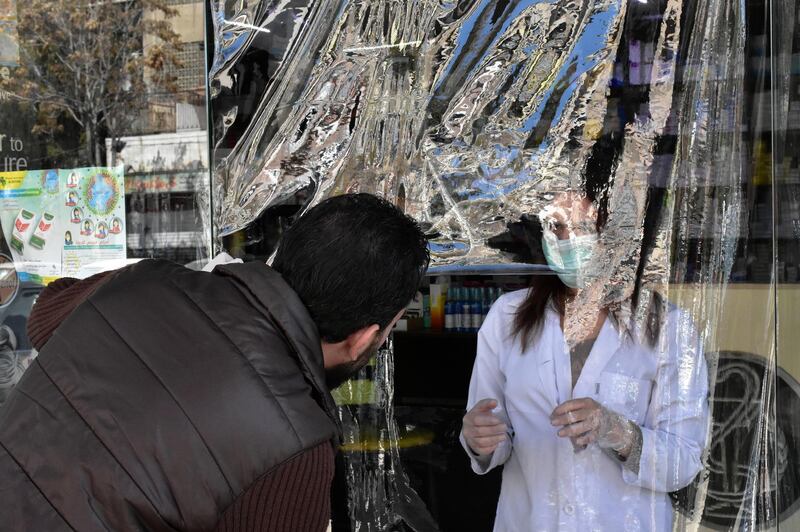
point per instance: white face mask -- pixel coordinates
(570, 259)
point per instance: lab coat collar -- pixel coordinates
(554, 364)
(555, 369)
(605, 347)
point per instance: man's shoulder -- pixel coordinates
(155, 280)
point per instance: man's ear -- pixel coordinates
(359, 341)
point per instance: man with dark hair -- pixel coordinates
(169, 399)
(365, 280)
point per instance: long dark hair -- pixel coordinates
(524, 239)
(545, 289)
(355, 260)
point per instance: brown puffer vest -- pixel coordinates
(160, 399)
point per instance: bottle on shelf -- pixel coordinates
(466, 311)
(477, 309)
(496, 293)
(486, 294)
(450, 316)
(438, 298)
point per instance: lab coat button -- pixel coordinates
(569, 509)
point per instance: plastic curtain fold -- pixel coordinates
(475, 114)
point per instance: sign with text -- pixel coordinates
(58, 222)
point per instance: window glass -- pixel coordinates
(103, 146)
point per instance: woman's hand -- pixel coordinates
(483, 431)
(586, 421)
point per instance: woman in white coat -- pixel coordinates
(593, 433)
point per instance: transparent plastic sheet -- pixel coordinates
(382, 498)
(786, 219)
(705, 203)
(384, 97)
(475, 114)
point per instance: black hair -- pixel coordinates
(544, 289)
(355, 260)
(524, 240)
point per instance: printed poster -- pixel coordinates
(59, 223)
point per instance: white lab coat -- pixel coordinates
(546, 485)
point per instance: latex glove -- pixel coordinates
(482, 430)
(586, 421)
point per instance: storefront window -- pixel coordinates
(103, 145)
(648, 143)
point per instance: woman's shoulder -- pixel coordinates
(677, 335)
(680, 322)
(511, 301)
(501, 315)
(499, 323)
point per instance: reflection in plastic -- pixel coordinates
(457, 104)
(471, 114)
(380, 497)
